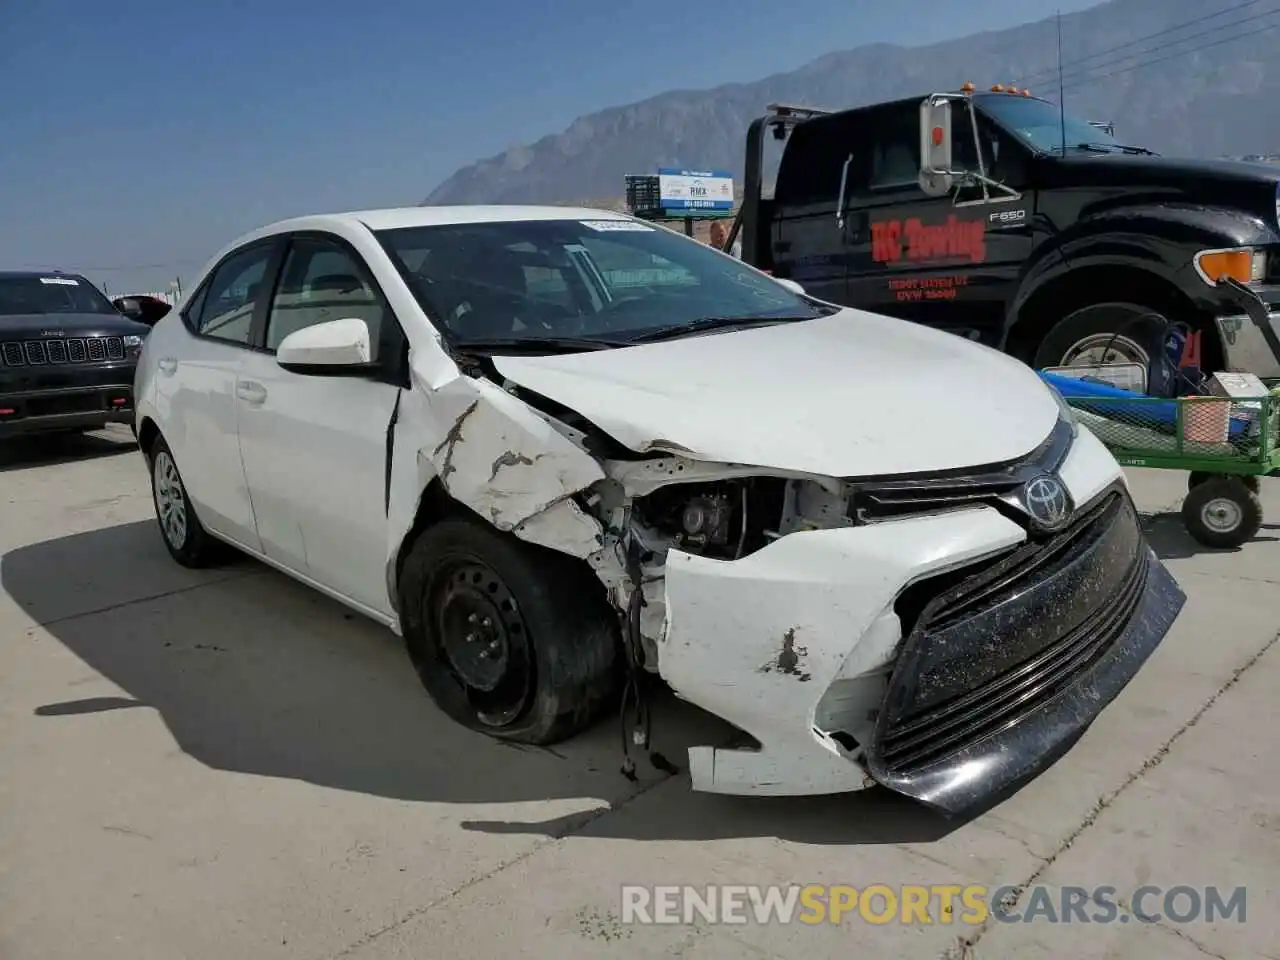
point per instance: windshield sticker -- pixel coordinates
(953, 239)
(623, 226)
(61, 281)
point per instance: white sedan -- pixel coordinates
(553, 448)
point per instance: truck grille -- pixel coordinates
(35, 353)
(990, 648)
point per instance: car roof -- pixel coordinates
(395, 218)
(33, 274)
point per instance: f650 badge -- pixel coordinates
(1007, 218)
(954, 239)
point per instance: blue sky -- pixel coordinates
(139, 136)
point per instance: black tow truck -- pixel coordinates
(67, 355)
(998, 216)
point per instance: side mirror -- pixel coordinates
(790, 285)
(936, 175)
(130, 307)
(332, 349)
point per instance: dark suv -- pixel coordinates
(67, 355)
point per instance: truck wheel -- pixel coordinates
(1222, 513)
(509, 639)
(1103, 333)
(1197, 477)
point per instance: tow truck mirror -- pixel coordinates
(936, 176)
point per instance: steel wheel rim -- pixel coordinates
(483, 639)
(171, 500)
(1222, 515)
(1101, 348)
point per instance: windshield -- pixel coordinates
(590, 280)
(50, 294)
(1038, 124)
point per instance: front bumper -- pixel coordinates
(990, 683)
(1249, 332)
(68, 399)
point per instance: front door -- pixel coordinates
(314, 447)
(949, 262)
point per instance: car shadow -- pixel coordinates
(254, 673)
(42, 450)
(1169, 538)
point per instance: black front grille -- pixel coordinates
(990, 647)
(995, 485)
(58, 351)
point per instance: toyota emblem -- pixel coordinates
(1047, 502)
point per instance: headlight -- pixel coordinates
(133, 342)
(1064, 409)
(1243, 264)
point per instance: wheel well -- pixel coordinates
(433, 506)
(1089, 285)
(147, 434)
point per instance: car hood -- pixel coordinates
(37, 326)
(848, 395)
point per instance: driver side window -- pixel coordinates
(323, 281)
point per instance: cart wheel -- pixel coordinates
(1197, 477)
(1222, 512)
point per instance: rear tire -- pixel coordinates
(1222, 513)
(184, 536)
(1103, 333)
(509, 639)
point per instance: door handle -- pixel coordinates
(251, 392)
(167, 365)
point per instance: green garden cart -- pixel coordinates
(1225, 444)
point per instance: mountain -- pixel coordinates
(1204, 85)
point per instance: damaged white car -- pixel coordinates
(553, 448)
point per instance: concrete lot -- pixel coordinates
(225, 765)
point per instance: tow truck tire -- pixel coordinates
(1222, 513)
(509, 638)
(1197, 477)
(1138, 333)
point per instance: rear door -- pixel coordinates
(949, 262)
(195, 388)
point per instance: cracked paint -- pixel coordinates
(789, 658)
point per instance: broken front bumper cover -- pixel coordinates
(1013, 651)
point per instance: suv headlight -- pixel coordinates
(1242, 264)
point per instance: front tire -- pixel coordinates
(1103, 333)
(184, 536)
(509, 639)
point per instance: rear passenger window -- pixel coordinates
(224, 311)
(322, 281)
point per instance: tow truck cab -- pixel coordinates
(999, 217)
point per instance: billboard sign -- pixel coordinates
(695, 189)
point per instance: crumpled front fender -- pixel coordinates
(761, 640)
